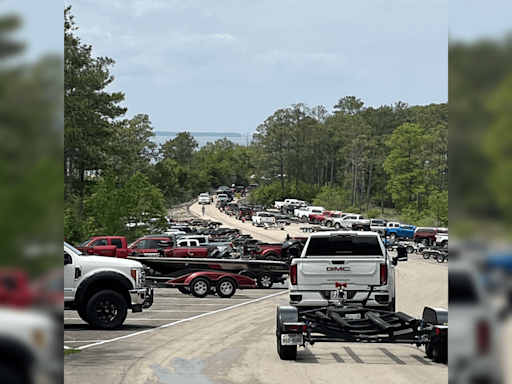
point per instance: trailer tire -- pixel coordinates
(200, 287)
(288, 352)
(426, 255)
(440, 258)
(265, 280)
(184, 290)
(226, 288)
(409, 249)
(440, 352)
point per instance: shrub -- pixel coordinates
(373, 213)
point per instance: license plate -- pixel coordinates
(334, 295)
(353, 316)
(295, 339)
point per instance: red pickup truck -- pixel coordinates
(151, 246)
(264, 251)
(113, 246)
(320, 218)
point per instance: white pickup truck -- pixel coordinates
(356, 258)
(304, 212)
(260, 218)
(102, 289)
(280, 204)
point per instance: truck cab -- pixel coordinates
(397, 230)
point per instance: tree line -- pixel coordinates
(355, 158)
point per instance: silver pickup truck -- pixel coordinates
(356, 258)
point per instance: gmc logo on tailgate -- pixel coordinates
(338, 269)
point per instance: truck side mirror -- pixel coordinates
(67, 259)
(402, 253)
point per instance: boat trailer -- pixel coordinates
(339, 323)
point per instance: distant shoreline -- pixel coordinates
(200, 134)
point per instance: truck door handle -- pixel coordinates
(338, 262)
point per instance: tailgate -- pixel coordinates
(322, 274)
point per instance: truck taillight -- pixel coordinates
(383, 274)
(483, 337)
(293, 274)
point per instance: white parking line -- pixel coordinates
(179, 321)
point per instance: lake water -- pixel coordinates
(160, 139)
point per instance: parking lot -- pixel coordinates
(170, 307)
(182, 339)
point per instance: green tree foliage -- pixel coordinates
(405, 166)
(110, 208)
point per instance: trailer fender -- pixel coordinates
(435, 316)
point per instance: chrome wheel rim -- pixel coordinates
(200, 287)
(226, 288)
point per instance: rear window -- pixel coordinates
(461, 288)
(344, 245)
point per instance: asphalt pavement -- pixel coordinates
(182, 339)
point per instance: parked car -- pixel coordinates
(231, 209)
(113, 246)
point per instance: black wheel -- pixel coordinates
(82, 313)
(106, 310)
(444, 244)
(304, 219)
(392, 236)
(271, 256)
(184, 290)
(265, 280)
(409, 249)
(10, 376)
(440, 352)
(426, 255)
(226, 288)
(200, 287)
(424, 241)
(440, 258)
(328, 224)
(361, 229)
(285, 352)
(337, 225)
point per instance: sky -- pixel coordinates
(226, 65)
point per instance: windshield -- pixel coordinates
(74, 249)
(85, 243)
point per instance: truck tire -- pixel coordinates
(425, 241)
(271, 256)
(200, 287)
(265, 280)
(337, 225)
(106, 310)
(444, 244)
(82, 313)
(328, 224)
(226, 288)
(409, 249)
(285, 352)
(10, 376)
(392, 235)
(428, 350)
